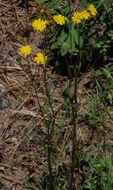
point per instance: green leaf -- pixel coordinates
(53, 39)
(81, 43)
(53, 4)
(63, 36)
(41, 1)
(65, 10)
(31, 185)
(98, 73)
(54, 45)
(64, 50)
(68, 45)
(65, 47)
(107, 73)
(72, 42)
(77, 38)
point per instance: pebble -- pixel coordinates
(4, 103)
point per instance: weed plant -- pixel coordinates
(100, 174)
(71, 33)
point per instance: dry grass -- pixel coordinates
(21, 130)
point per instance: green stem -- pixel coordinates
(75, 156)
(49, 135)
(49, 101)
(73, 104)
(74, 114)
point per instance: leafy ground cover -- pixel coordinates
(23, 135)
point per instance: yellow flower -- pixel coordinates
(25, 50)
(59, 19)
(92, 9)
(40, 58)
(85, 15)
(42, 11)
(77, 17)
(39, 24)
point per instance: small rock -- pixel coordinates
(4, 102)
(12, 53)
(2, 89)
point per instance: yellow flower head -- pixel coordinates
(77, 17)
(40, 58)
(25, 50)
(59, 19)
(42, 11)
(39, 24)
(85, 15)
(92, 9)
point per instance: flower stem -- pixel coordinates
(51, 185)
(73, 104)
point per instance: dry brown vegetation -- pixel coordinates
(21, 131)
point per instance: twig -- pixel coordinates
(11, 178)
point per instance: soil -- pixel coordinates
(22, 157)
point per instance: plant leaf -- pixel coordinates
(77, 38)
(41, 1)
(53, 4)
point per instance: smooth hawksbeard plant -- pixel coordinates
(66, 39)
(69, 35)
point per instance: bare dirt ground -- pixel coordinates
(20, 127)
(21, 131)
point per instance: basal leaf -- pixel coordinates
(77, 38)
(61, 39)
